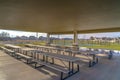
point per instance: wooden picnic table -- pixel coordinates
(62, 57)
(13, 47)
(27, 51)
(44, 48)
(53, 56)
(55, 49)
(90, 53)
(71, 61)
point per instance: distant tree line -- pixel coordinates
(4, 36)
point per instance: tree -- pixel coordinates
(92, 38)
(4, 36)
(32, 37)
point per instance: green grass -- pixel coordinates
(88, 44)
(92, 44)
(111, 47)
(39, 43)
(22, 45)
(32, 42)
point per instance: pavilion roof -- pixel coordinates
(60, 16)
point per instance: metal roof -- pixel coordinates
(60, 16)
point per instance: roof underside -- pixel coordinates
(60, 16)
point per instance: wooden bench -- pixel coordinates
(25, 57)
(8, 51)
(3, 48)
(55, 67)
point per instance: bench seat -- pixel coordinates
(3, 48)
(28, 58)
(8, 51)
(53, 66)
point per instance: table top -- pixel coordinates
(67, 50)
(46, 47)
(62, 57)
(28, 49)
(12, 46)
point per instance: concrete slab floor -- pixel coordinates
(13, 69)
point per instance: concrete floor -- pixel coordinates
(13, 69)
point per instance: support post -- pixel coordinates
(37, 36)
(75, 40)
(48, 39)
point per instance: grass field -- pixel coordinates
(82, 43)
(90, 44)
(112, 47)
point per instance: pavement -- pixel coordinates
(13, 69)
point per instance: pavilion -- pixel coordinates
(62, 17)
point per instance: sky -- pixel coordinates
(107, 34)
(14, 33)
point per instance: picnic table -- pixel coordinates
(90, 53)
(69, 59)
(45, 48)
(27, 51)
(13, 47)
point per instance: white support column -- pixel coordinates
(37, 35)
(75, 40)
(48, 39)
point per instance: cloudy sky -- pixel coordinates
(14, 33)
(22, 33)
